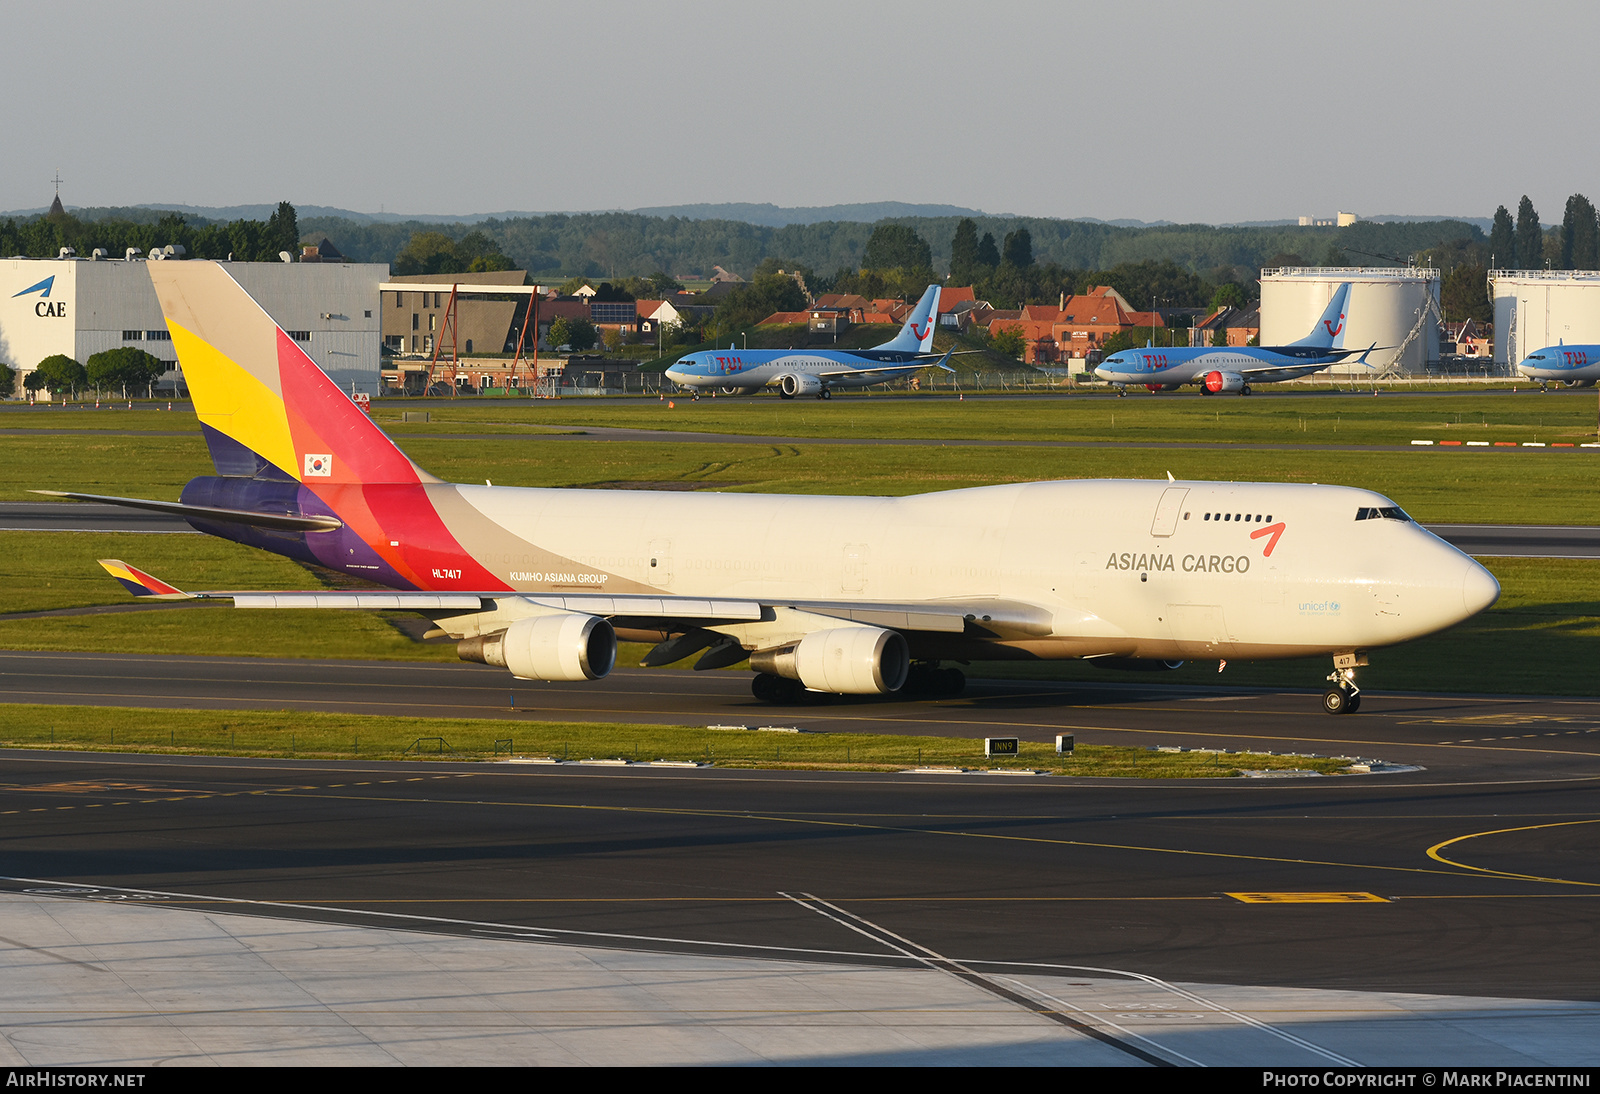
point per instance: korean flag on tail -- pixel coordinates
(319, 465)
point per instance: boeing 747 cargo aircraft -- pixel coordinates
(847, 595)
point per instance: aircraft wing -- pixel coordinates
(755, 619)
(903, 367)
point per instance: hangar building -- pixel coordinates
(1395, 308)
(1538, 308)
(81, 306)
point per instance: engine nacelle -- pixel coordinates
(842, 660)
(1162, 387)
(559, 646)
(1224, 383)
(1580, 383)
(791, 384)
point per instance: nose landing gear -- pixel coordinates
(1344, 697)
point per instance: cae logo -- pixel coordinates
(45, 307)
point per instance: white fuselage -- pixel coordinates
(1162, 367)
(749, 370)
(1576, 364)
(1125, 568)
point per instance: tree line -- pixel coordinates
(1526, 245)
(124, 369)
(241, 240)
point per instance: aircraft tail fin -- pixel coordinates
(1329, 330)
(917, 334)
(259, 395)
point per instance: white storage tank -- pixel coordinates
(1394, 308)
(1538, 308)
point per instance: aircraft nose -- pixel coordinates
(1479, 589)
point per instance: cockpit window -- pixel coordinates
(1385, 512)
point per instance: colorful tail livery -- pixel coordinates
(850, 595)
(917, 334)
(286, 440)
(1329, 330)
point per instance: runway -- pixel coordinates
(1481, 736)
(1133, 877)
(1274, 921)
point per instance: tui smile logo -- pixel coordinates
(42, 288)
(1331, 327)
(923, 333)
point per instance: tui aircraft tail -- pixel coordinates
(257, 393)
(1329, 330)
(917, 335)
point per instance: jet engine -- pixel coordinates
(1225, 383)
(842, 660)
(791, 384)
(559, 646)
(1580, 383)
(1162, 387)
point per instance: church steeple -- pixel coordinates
(57, 210)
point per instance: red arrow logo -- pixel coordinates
(1273, 530)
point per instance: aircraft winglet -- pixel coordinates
(141, 584)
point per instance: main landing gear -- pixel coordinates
(1344, 697)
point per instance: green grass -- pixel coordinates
(298, 734)
(1530, 486)
(1087, 415)
(52, 570)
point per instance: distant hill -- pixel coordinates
(764, 214)
(779, 216)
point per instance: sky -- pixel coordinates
(1218, 112)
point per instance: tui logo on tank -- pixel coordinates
(45, 307)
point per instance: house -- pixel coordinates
(1074, 329)
(1468, 338)
(1237, 327)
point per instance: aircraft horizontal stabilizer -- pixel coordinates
(284, 521)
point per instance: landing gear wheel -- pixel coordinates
(1343, 697)
(824, 394)
(779, 690)
(1245, 390)
(927, 680)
